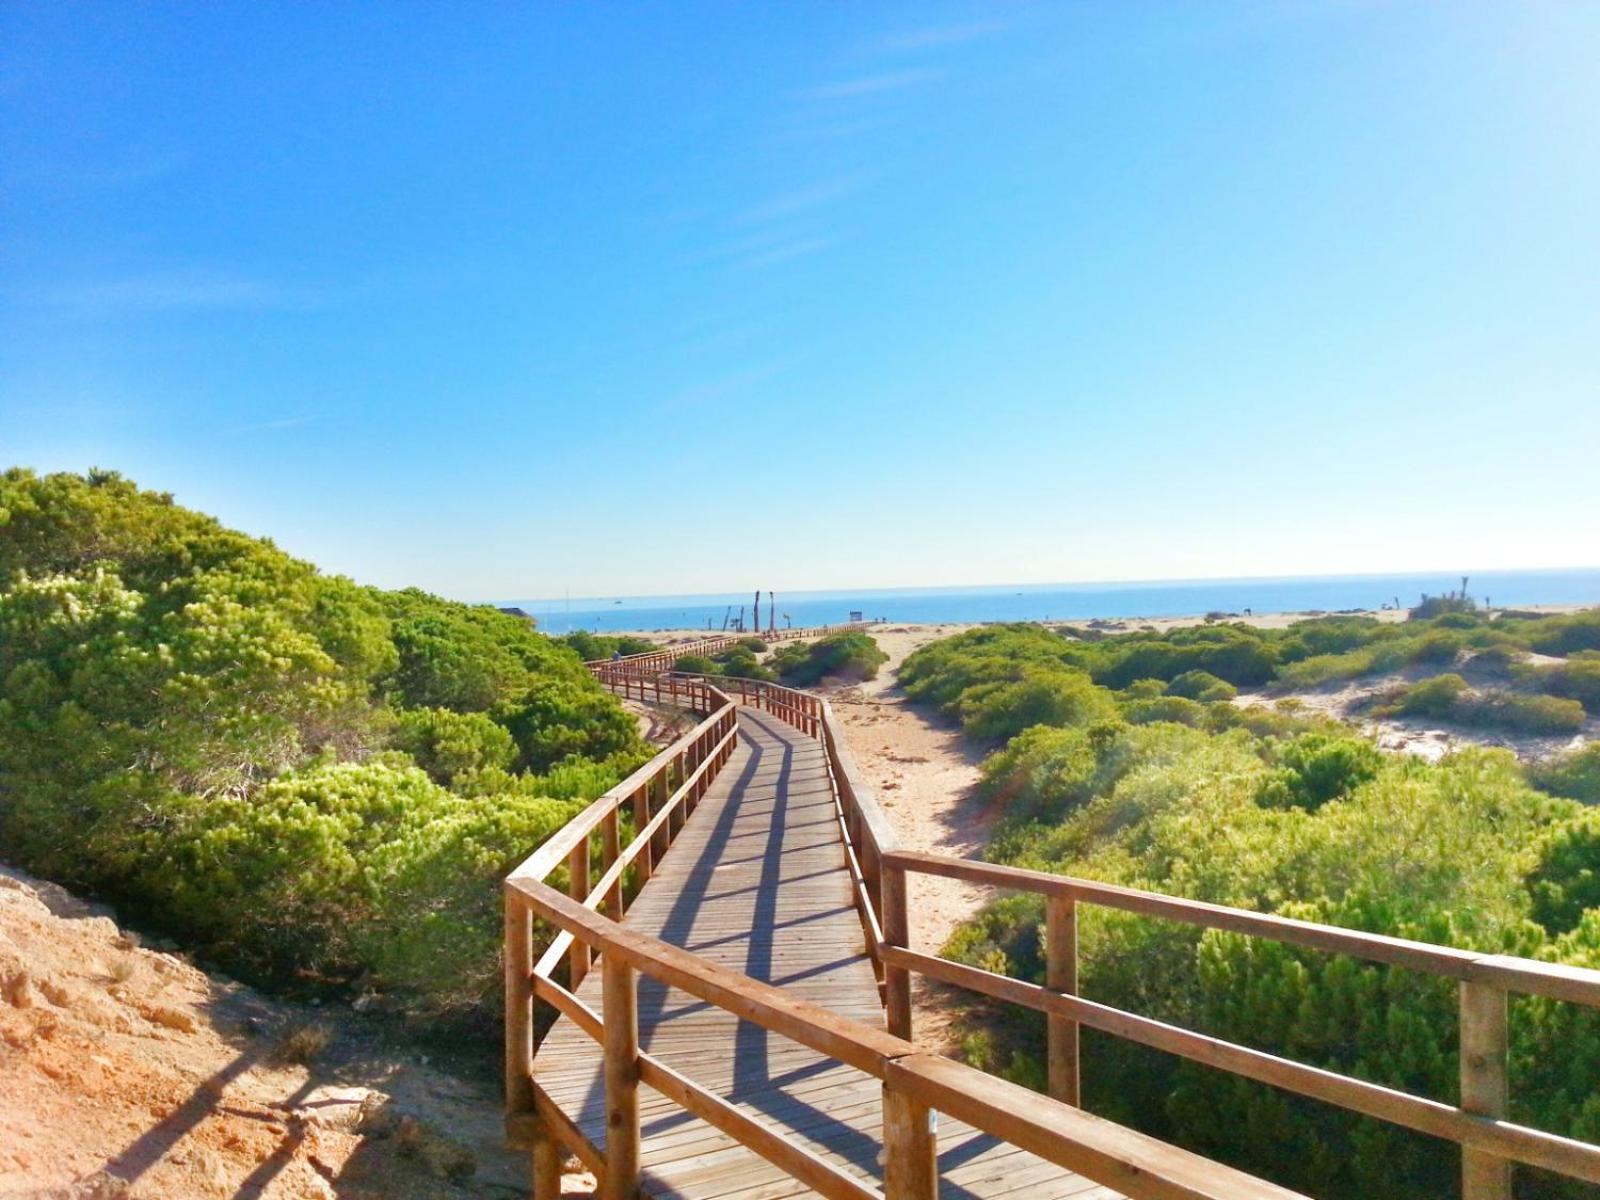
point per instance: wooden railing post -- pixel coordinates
(610, 851)
(1484, 1040)
(644, 863)
(526, 1129)
(620, 997)
(910, 1156)
(578, 889)
(1061, 975)
(896, 932)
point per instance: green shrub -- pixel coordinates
(1575, 774)
(556, 718)
(1177, 709)
(1576, 679)
(1528, 714)
(695, 664)
(590, 647)
(853, 656)
(1565, 880)
(447, 744)
(1448, 698)
(995, 711)
(1144, 689)
(1567, 634)
(214, 735)
(1202, 686)
(1440, 697)
(1318, 767)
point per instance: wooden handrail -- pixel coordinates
(1490, 1144)
(1579, 985)
(1142, 1167)
(915, 1081)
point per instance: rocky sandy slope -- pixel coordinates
(127, 1072)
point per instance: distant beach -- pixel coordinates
(1151, 600)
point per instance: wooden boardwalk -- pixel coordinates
(757, 882)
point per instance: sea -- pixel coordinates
(1063, 601)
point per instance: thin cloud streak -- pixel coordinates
(799, 200)
(934, 37)
(872, 85)
(787, 252)
(269, 426)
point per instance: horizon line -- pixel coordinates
(1086, 584)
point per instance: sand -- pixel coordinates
(923, 773)
(129, 1073)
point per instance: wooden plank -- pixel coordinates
(811, 1169)
(1534, 1146)
(759, 887)
(1141, 1167)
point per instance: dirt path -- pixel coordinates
(924, 775)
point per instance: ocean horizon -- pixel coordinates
(1064, 602)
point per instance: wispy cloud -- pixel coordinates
(934, 37)
(201, 290)
(873, 85)
(269, 426)
(802, 247)
(786, 204)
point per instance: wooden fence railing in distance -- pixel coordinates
(663, 659)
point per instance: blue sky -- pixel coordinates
(505, 300)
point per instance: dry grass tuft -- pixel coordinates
(303, 1043)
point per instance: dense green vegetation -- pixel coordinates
(1448, 697)
(740, 661)
(1114, 760)
(592, 646)
(304, 778)
(852, 656)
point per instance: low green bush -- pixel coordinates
(995, 711)
(1180, 710)
(447, 744)
(1565, 635)
(1315, 768)
(1202, 686)
(1575, 774)
(241, 750)
(1449, 698)
(1565, 880)
(590, 647)
(1576, 679)
(1440, 697)
(851, 656)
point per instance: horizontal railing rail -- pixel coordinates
(1490, 1143)
(915, 1084)
(915, 1081)
(664, 657)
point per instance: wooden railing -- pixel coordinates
(1490, 1144)
(916, 1082)
(662, 659)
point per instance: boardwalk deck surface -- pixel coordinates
(757, 882)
